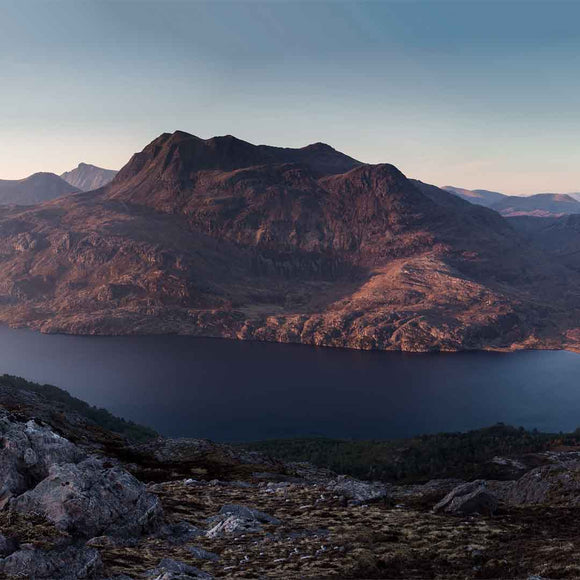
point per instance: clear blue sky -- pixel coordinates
(475, 94)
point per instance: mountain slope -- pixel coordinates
(87, 177)
(558, 237)
(37, 188)
(223, 238)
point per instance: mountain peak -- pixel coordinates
(87, 177)
(320, 146)
(179, 156)
(36, 188)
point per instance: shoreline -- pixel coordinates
(98, 334)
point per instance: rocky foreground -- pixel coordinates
(79, 501)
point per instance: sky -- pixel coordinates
(465, 93)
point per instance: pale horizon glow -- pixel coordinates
(479, 95)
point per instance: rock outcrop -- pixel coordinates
(358, 492)
(556, 485)
(75, 496)
(91, 498)
(468, 498)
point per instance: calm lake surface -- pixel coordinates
(229, 390)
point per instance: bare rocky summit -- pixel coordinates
(86, 177)
(223, 238)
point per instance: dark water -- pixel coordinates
(228, 390)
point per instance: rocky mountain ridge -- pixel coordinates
(220, 237)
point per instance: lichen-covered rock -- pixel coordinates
(239, 519)
(468, 498)
(71, 563)
(28, 451)
(241, 511)
(92, 499)
(232, 525)
(358, 492)
(551, 484)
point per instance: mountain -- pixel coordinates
(478, 196)
(87, 177)
(539, 205)
(34, 189)
(223, 238)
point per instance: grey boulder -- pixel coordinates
(248, 513)
(468, 498)
(92, 499)
(71, 563)
(27, 453)
(557, 484)
(233, 525)
(238, 519)
(358, 492)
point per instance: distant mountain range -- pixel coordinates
(34, 189)
(41, 187)
(87, 177)
(219, 237)
(539, 205)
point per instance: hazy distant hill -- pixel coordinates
(87, 177)
(34, 189)
(539, 205)
(478, 196)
